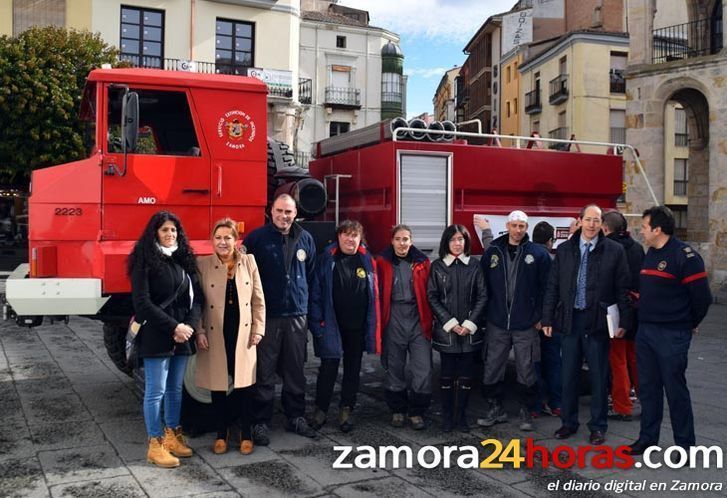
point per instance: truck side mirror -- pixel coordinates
(130, 121)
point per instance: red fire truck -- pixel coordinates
(196, 145)
(189, 143)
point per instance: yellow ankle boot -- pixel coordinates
(159, 455)
(174, 442)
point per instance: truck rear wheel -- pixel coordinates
(114, 338)
(279, 156)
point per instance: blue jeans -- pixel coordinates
(163, 378)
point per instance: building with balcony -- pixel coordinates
(567, 87)
(444, 97)
(258, 38)
(476, 77)
(677, 56)
(511, 104)
(355, 72)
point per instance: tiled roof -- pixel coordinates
(330, 17)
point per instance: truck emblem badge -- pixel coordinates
(301, 255)
(661, 265)
(529, 259)
(147, 200)
(236, 128)
(494, 260)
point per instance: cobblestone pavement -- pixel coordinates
(72, 426)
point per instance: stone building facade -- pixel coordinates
(686, 64)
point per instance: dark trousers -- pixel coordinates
(455, 384)
(231, 410)
(661, 358)
(526, 347)
(579, 343)
(281, 352)
(458, 365)
(549, 372)
(353, 346)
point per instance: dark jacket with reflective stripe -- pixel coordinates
(674, 288)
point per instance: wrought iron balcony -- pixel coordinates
(347, 98)
(305, 90)
(277, 81)
(617, 81)
(463, 96)
(302, 159)
(561, 134)
(532, 102)
(558, 89)
(682, 41)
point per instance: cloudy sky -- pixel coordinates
(433, 34)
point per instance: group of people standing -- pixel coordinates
(246, 313)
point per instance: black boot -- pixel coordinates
(447, 392)
(463, 395)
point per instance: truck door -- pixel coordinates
(424, 196)
(169, 169)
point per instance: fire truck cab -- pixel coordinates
(189, 143)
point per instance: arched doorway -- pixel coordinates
(686, 162)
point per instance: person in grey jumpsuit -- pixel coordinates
(407, 324)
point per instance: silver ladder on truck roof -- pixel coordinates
(519, 140)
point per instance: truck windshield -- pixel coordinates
(165, 123)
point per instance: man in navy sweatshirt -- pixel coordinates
(674, 298)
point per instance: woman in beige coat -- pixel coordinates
(233, 323)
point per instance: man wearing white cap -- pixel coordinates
(516, 274)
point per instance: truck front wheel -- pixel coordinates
(114, 338)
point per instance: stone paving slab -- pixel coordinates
(72, 425)
(271, 478)
(81, 464)
(114, 487)
(192, 477)
(22, 477)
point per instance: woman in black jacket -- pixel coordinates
(458, 296)
(164, 289)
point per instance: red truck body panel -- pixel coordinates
(482, 180)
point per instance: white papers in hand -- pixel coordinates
(612, 319)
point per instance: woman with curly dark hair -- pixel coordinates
(167, 302)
